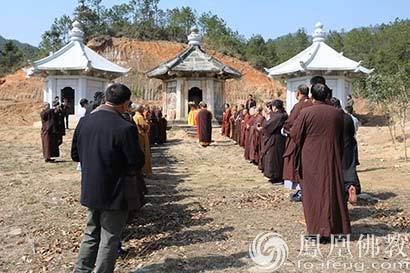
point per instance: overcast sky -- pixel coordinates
(26, 20)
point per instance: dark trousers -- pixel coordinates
(66, 121)
(101, 241)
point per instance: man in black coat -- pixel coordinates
(107, 146)
(250, 102)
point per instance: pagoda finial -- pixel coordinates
(76, 34)
(194, 38)
(318, 34)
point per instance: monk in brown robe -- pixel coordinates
(273, 142)
(162, 127)
(244, 122)
(143, 138)
(238, 124)
(204, 125)
(234, 114)
(225, 130)
(255, 136)
(49, 134)
(289, 172)
(249, 124)
(318, 135)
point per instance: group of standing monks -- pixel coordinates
(313, 150)
(150, 121)
(152, 126)
(259, 130)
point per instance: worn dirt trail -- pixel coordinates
(205, 206)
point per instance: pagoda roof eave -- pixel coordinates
(318, 57)
(185, 63)
(75, 56)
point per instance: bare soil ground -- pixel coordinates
(206, 205)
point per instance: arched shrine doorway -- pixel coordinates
(195, 95)
(67, 93)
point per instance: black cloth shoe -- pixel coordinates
(296, 197)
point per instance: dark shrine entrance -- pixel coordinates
(67, 93)
(195, 95)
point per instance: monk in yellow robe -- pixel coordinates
(143, 138)
(191, 115)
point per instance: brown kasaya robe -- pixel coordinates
(204, 127)
(225, 122)
(244, 130)
(238, 127)
(318, 135)
(250, 123)
(289, 172)
(255, 139)
(50, 137)
(232, 125)
(273, 145)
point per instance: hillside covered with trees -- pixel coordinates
(14, 55)
(385, 47)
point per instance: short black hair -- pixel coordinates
(278, 104)
(98, 95)
(117, 93)
(83, 102)
(250, 95)
(317, 79)
(335, 102)
(349, 109)
(319, 91)
(303, 89)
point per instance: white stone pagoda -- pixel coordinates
(75, 71)
(318, 59)
(193, 76)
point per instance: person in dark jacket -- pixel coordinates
(107, 146)
(250, 102)
(99, 98)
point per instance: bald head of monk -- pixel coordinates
(252, 111)
(46, 106)
(203, 105)
(139, 108)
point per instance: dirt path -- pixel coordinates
(205, 207)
